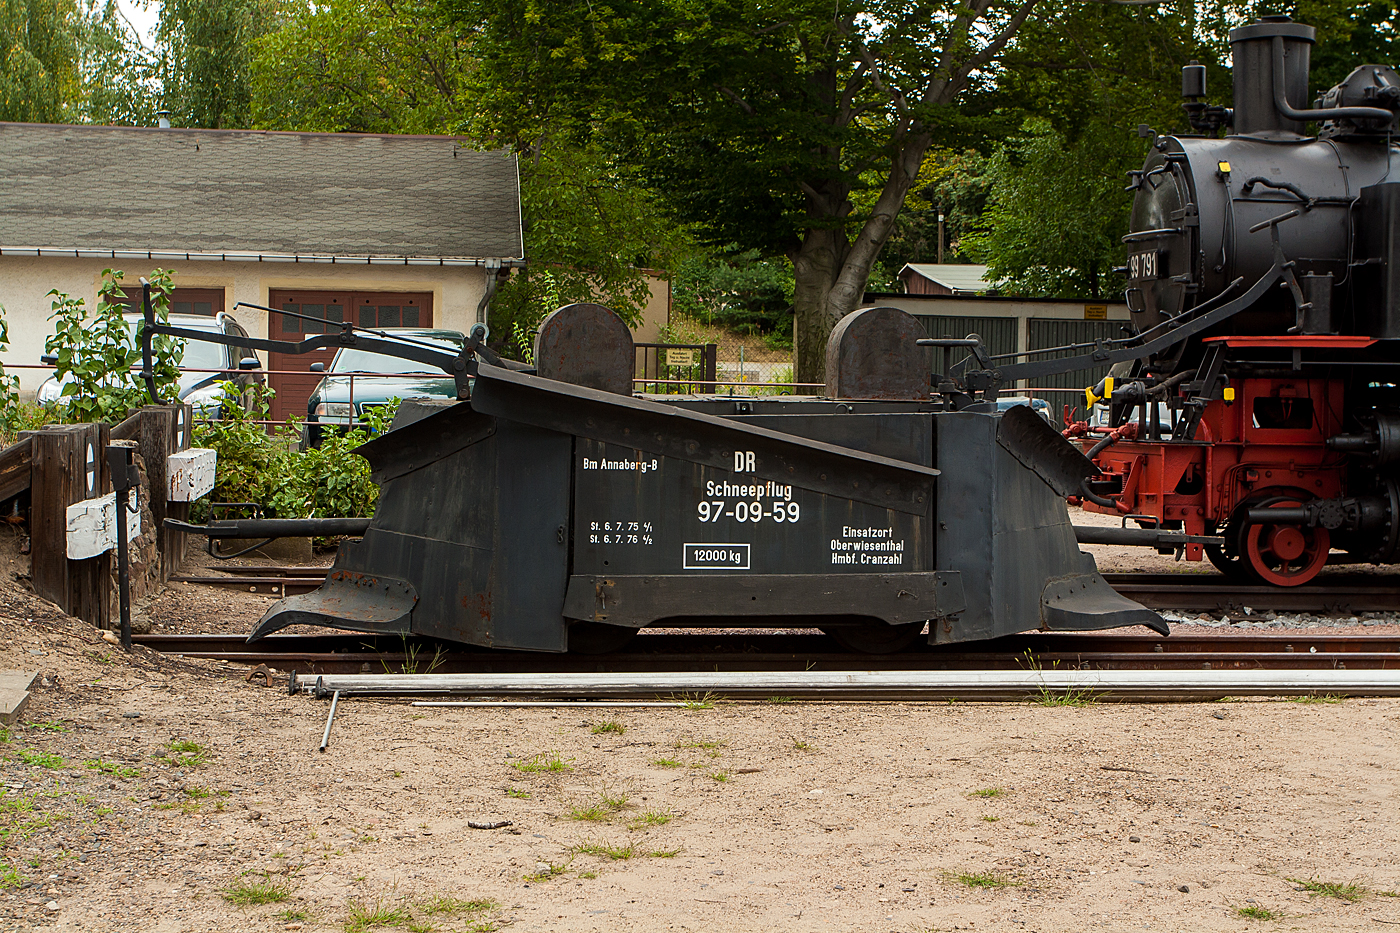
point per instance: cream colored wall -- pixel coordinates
(656, 314)
(25, 282)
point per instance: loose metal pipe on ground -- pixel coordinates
(837, 685)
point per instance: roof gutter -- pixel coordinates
(177, 256)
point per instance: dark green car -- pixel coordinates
(358, 380)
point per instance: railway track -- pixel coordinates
(681, 653)
(1341, 593)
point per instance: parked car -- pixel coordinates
(239, 365)
(358, 380)
(1037, 405)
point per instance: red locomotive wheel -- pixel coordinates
(1285, 555)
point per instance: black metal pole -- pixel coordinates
(125, 477)
(123, 572)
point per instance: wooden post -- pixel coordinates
(67, 467)
(165, 429)
(173, 542)
(90, 580)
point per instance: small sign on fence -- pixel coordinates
(676, 357)
(1096, 312)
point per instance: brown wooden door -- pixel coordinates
(367, 309)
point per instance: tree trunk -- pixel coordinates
(830, 274)
(816, 266)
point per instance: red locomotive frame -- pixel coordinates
(1265, 447)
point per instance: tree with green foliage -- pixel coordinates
(206, 50)
(1054, 216)
(40, 75)
(360, 66)
(756, 124)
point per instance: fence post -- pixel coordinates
(165, 429)
(90, 580)
(67, 468)
(711, 354)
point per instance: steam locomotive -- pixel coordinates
(1254, 406)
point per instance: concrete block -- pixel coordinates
(190, 474)
(92, 525)
(14, 694)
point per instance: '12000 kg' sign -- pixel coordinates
(637, 513)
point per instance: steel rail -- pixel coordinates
(349, 654)
(865, 685)
(1204, 592)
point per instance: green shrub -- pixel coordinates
(269, 469)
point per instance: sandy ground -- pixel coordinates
(145, 793)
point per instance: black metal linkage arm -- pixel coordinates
(1040, 368)
(460, 366)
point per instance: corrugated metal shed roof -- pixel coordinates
(241, 194)
(959, 278)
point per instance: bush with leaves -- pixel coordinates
(254, 466)
(738, 290)
(97, 359)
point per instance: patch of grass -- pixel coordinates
(610, 726)
(781, 700)
(1341, 890)
(613, 801)
(706, 745)
(197, 793)
(182, 753)
(294, 915)
(420, 926)
(616, 853)
(50, 726)
(364, 916)
(1389, 893)
(592, 813)
(544, 761)
(1329, 698)
(991, 819)
(983, 879)
(517, 793)
(551, 871)
(800, 746)
(694, 700)
(720, 776)
(111, 767)
(988, 793)
(1074, 696)
(589, 875)
(10, 877)
(1257, 913)
(255, 893)
(666, 763)
(651, 818)
(40, 759)
(664, 853)
(455, 906)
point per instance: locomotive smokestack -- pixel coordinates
(1252, 53)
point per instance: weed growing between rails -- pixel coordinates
(1044, 696)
